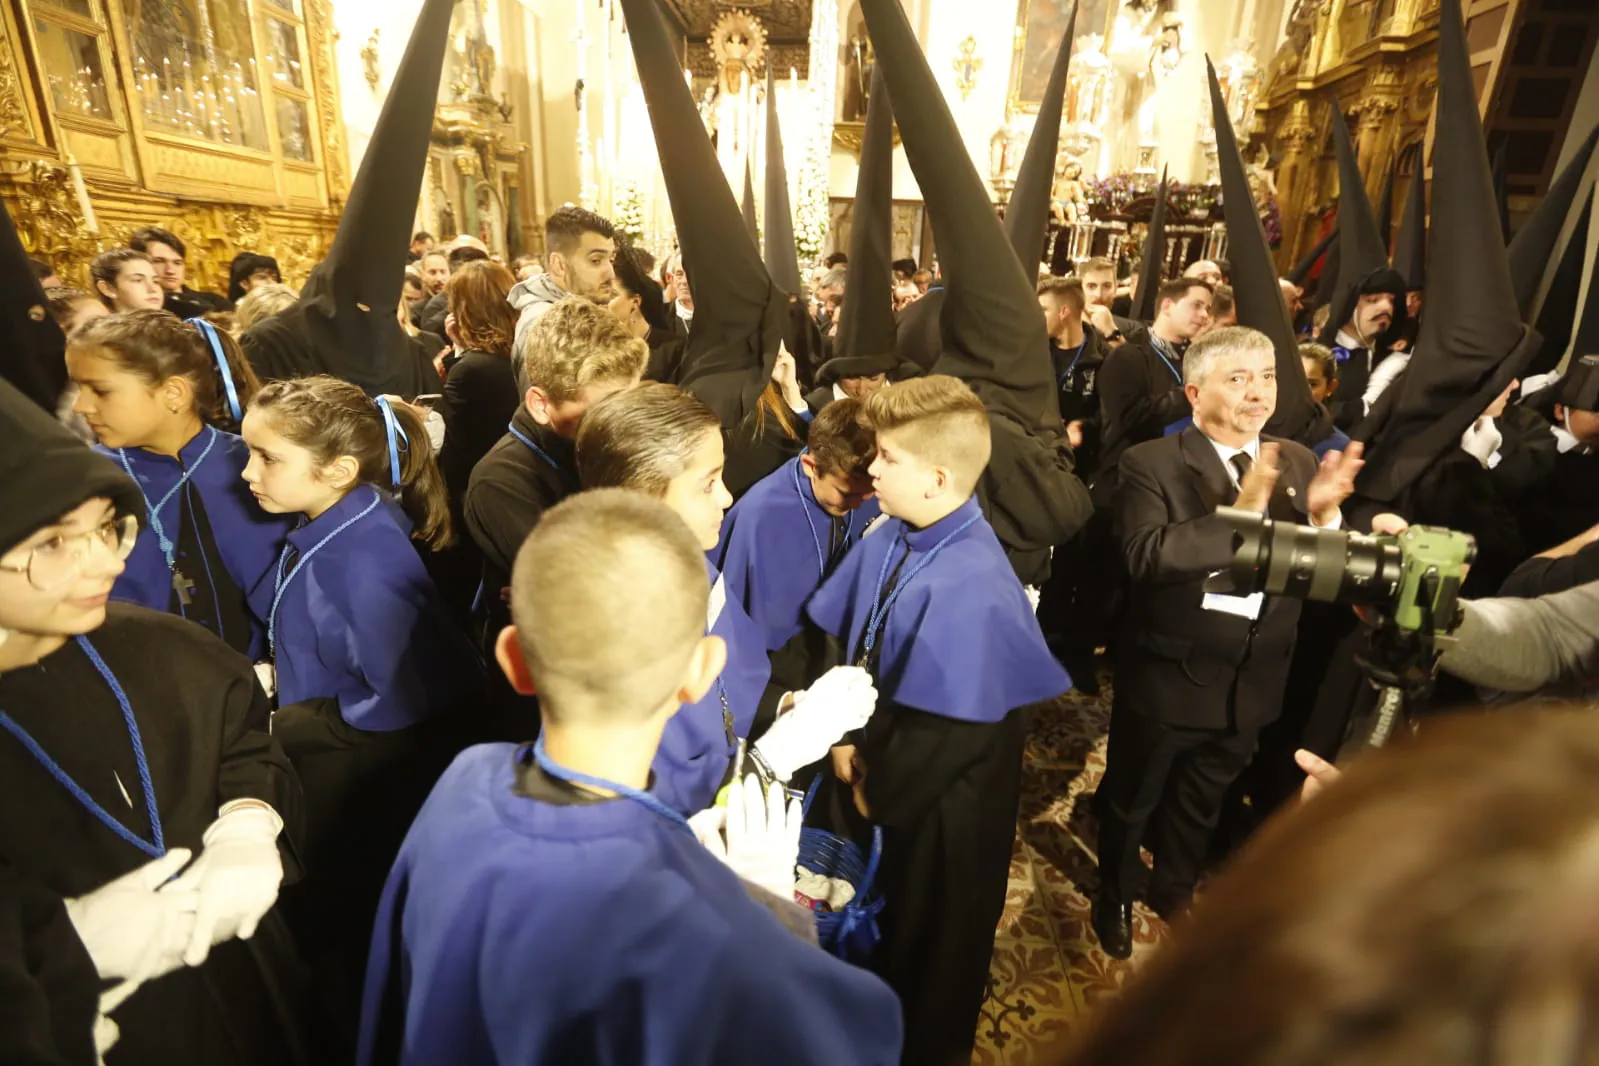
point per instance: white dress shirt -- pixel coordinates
(1252, 449)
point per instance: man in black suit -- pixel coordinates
(1199, 674)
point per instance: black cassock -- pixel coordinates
(48, 985)
(203, 721)
(946, 795)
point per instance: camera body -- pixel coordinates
(1412, 580)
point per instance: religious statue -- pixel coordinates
(738, 43)
(858, 76)
(1165, 55)
(1071, 204)
(1297, 36)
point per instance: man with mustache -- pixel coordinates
(1362, 343)
(1198, 674)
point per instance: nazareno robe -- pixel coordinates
(959, 654)
(225, 544)
(773, 550)
(375, 688)
(206, 740)
(48, 982)
(301, 341)
(773, 556)
(526, 921)
(700, 740)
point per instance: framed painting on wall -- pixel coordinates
(1040, 33)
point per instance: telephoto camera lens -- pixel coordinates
(1326, 565)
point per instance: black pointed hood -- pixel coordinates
(32, 348)
(781, 255)
(1150, 270)
(1385, 206)
(993, 335)
(46, 472)
(1465, 357)
(1257, 294)
(350, 300)
(746, 205)
(739, 315)
(1362, 246)
(1533, 248)
(1410, 249)
(1302, 269)
(1501, 180)
(865, 344)
(1027, 215)
(1557, 307)
(1585, 342)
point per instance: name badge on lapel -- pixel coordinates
(1243, 606)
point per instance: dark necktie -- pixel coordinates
(1240, 463)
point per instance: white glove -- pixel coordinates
(1481, 441)
(236, 876)
(433, 422)
(1387, 372)
(763, 833)
(708, 824)
(132, 930)
(841, 700)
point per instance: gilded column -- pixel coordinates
(320, 37)
(1377, 133)
(1296, 145)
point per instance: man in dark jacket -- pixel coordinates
(1141, 383)
(1199, 673)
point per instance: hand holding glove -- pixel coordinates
(763, 832)
(236, 876)
(1481, 441)
(130, 929)
(1385, 374)
(841, 700)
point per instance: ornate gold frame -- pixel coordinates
(220, 199)
(1014, 103)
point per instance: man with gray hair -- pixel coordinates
(1198, 674)
(828, 294)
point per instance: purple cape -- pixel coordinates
(961, 640)
(247, 538)
(518, 930)
(695, 751)
(773, 547)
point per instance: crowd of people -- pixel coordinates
(425, 665)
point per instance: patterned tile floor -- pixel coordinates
(1048, 971)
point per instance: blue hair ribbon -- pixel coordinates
(209, 332)
(397, 438)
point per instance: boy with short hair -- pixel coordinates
(546, 907)
(930, 605)
(575, 356)
(790, 531)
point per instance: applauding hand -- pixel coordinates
(1333, 483)
(1254, 492)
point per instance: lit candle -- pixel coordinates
(84, 206)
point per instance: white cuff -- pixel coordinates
(1336, 523)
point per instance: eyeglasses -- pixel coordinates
(60, 559)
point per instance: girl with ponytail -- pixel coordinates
(164, 398)
(351, 612)
(369, 663)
